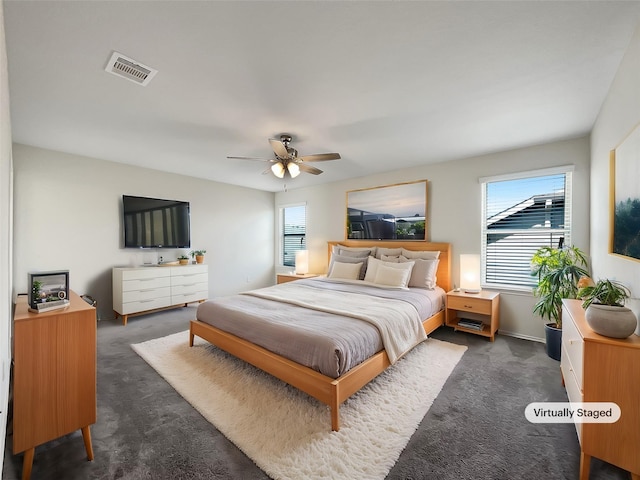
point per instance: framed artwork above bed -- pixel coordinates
(391, 212)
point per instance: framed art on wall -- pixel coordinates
(625, 197)
(391, 212)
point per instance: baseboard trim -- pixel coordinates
(521, 336)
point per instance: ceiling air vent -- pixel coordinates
(130, 69)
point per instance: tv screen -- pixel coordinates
(154, 222)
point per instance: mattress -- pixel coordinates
(324, 335)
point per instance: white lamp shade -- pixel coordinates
(278, 169)
(294, 169)
(302, 262)
(470, 273)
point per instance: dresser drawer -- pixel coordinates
(143, 295)
(145, 284)
(573, 346)
(142, 305)
(475, 305)
(189, 279)
(188, 297)
(189, 289)
(574, 392)
(144, 273)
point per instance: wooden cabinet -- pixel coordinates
(54, 375)
(602, 369)
(483, 306)
(140, 290)
(290, 277)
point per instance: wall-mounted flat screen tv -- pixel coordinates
(155, 223)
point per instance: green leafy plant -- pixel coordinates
(197, 253)
(557, 271)
(183, 257)
(604, 292)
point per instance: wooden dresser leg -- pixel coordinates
(585, 466)
(124, 319)
(27, 463)
(86, 436)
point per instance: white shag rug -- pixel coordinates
(286, 432)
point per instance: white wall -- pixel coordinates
(5, 236)
(454, 210)
(68, 216)
(620, 113)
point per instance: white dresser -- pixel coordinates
(139, 290)
(602, 369)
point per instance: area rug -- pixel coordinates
(287, 433)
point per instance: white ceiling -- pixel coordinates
(388, 85)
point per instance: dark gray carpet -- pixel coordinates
(475, 429)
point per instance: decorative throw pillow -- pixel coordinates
(348, 259)
(374, 264)
(347, 271)
(390, 276)
(423, 274)
(424, 254)
(391, 258)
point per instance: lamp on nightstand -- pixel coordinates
(302, 262)
(470, 273)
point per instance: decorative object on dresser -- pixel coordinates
(140, 290)
(183, 260)
(605, 310)
(48, 290)
(557, 271)
(602, 369)
(54, 375)
(477, 313)
(198, 255)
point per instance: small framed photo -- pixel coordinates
(48, 290)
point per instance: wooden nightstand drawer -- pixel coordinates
(467, 304)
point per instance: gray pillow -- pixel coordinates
(349, 259)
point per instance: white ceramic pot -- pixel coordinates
(610, 321)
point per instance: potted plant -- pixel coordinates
(183, 259)
(605, 310)
(198, 255)
(557, 271)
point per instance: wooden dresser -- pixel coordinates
(602, 369)
(54, 375)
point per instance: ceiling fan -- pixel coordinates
(287, 161)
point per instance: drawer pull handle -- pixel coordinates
(468, 306)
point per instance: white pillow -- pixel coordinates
(424, 254)
(347, 271)
(390, 258)
(423, 274)
(365, 251)
(374, 263)
(348, 259)
(393, 277)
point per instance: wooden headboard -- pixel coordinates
(444, 267)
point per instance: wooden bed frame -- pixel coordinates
(330, 391)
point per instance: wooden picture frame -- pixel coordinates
(390, 212)
(624, 197)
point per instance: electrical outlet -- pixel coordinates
(248, 279)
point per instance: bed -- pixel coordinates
(218, 321)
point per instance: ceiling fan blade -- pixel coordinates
(308, 168)
(278, 148)
(254, 158)
(319, 157)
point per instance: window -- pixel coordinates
(522, 213)
(293, 221)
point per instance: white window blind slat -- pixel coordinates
(293, 233)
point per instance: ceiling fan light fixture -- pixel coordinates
(278, 169)
(294, 169)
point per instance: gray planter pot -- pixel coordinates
(611, 321)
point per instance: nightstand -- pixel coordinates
(290, 277)
(479, 307)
